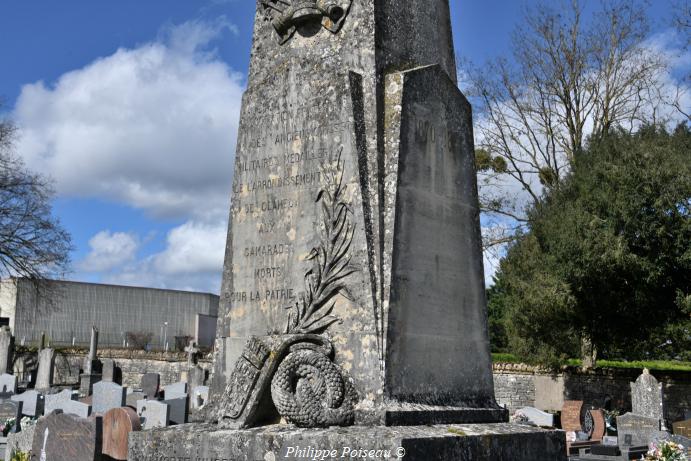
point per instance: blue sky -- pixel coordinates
(132, 107)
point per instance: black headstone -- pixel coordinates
(11, 410)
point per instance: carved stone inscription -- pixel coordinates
(294, 136)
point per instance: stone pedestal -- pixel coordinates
(476, 442)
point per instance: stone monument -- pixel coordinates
(92, 366)
(46, 363)
(6, 349)
(353, 290)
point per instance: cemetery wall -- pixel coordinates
(518, 385)
(133, 365)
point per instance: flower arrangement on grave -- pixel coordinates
(520, 418)
(666, 450)
(6, 426)
(19, 456)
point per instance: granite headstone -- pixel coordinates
(74, 407)
(33, 402)
(61, 437)
(150, 384)
(638, 430)
(153, 413)
(8, 385)
(55, 401)
(646, 397)
(178, 408)
(108, 395)
(117, 425)
(11, 410)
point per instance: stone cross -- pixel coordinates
(192, 351)
(6, 349)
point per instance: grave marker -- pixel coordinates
(153, 413)
(107, 396)
(117, 425)
(61, 437)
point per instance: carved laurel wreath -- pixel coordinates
(312, 314)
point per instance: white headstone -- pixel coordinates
(153, 413)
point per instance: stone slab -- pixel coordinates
(76, 408)
(46, 363)
(638, 430)
(538, 417)
(33, 402)
(117, 425)
(61, 437)
(55, 401)
(108, 395)
(174, 390)
(8, 384)
(11, 410)
(476, 442)
(153, 414)
(150, 385)
(133, 397)
(20, 441)
(6, 349)
(178, 409)
(646, 396)
(682, 428)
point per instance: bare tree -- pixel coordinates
(33, 244)
(569, 79)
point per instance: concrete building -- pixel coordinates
(69, 309)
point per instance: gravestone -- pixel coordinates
(33, 402)
(634, 429)
(538, 417)
(196, 376)
(178, 405)
(8, 385)
(11, 410)
(192, 351)
(153, 414)
(133, 397)
(117, 425)
(107, 396)
(46, 363)
(92, 366)
(174, 390)
(108, 370)
(19, 441)
(150, 384)
(75, 408)
(199, 397)
(682, 428)
(646, 397)
(355, 146)
(61, 437)
(56, 401)
(6, 349)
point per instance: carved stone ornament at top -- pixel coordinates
(287, 16)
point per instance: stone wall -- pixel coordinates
(133, 365)
(518, 385)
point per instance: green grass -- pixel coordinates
(661, 365)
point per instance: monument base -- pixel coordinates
(471, 442)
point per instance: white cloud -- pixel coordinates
(109, 251)
(193, 247)
(152, 127)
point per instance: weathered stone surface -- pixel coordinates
(349, 156)
(108, 370)
(33, 402)
(56, 401)
(8, 384)
(46, 362)
(153, 414)
(6, 349)
(196, 376)
(638, 430)
(107, 396)
(134, 397)
(150, 384)
(646, 397)
(117, 425)
(476, 442)
(61, 437)
(19, 441)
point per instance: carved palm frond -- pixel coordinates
(313, 313)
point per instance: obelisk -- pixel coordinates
(355, 156)
(353, 292)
